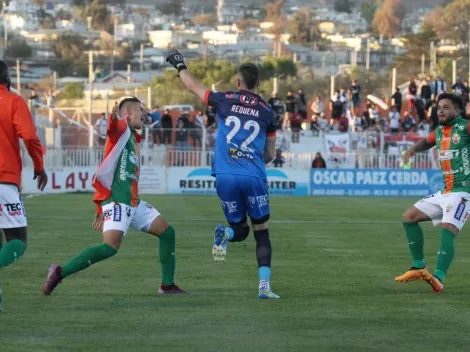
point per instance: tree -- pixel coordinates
(456, 17)
(435, 21)
(171, 7)
(72, 91)
(101, 18)
(343, 6)
(274, 10)
(301, 27)
(80, 3)
(368, 9)
(244, 23)
(69, 47)
(280, 66)
(18, 48)
(206, 19)
(388, 18)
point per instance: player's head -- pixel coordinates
(448, 108)
(133, 110)
(248, 77)
(4, 75)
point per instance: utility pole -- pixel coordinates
(114, 46)
(90, 102)
(141, 57)
(368, 55)
(454, 71)
(149, 97)
(394, 80)
(423, 63)
(431, 61)
(18, 76)
(54, 80)
(129, 73)
(469, 51)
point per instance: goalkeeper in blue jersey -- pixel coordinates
(246, 140)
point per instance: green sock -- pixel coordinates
(11, 252)
(415, 236)
(87, 258)
(167, 250)
(446, 254)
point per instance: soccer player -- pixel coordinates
(246, 139)
(118, 205)
(449, 208)
(15, 123)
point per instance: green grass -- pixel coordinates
(333, 267)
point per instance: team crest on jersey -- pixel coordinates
(449, 208)
(248, 100)
(456, 138)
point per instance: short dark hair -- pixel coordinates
(250, 74)
(452, 97)
(3, 73)
(128, 99)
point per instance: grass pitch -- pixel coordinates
(334, 260)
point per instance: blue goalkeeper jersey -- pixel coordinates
(244, 121)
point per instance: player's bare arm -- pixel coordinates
(421, 146)
(191, 83)
(269, 149)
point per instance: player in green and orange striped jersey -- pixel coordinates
(447, 208)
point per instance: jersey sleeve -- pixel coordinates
(116, 127)
(431, 139)
(271, 128)
(213, 98)
(26, 130)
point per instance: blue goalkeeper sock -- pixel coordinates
(264, 273)
(229, 232)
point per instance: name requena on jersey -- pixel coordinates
(245, 111)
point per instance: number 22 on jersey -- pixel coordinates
(236, 126)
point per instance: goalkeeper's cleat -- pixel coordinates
(170, 290)
(411, 275)
(436, 284)
(265, 292)
(54, 277)
(1, 300)
(219, 250)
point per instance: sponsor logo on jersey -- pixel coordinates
(231, 207)
(248, 100)
(117, 212)
(460, 209)
(14, 209)
(238, 154)
(128, 212)
(448, 154)
(133, 158)
(122, 165)
(460, 127)
(456, 138)
(107, 215)
(466, 162)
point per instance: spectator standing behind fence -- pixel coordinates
(439, 86)
(409, 122)
(426, 92)
(318, 162)
(278, 108)
(156, 115)
(355, 97)
(318, 108)
(395, 117)
(279, 160)
(433, 117)
(290, 105)
(211, 114)
(166, 123)
(412, 93)
(397, 99)
(102, 126)
(302, 104)
(336, 107)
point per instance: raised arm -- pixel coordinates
(191, 83)
(421, 146)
